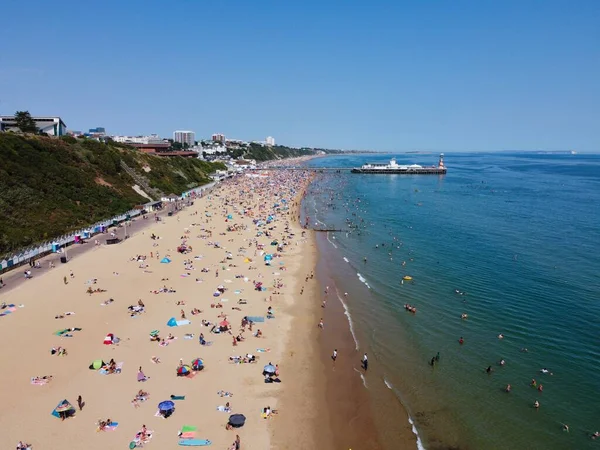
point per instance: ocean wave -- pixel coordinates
(346, 259)
(329, 240)
(362, 279)
(420, 445)
(350, 322)
(362, 377)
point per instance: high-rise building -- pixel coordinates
(184, 137)
(270, 140)
(218, 138)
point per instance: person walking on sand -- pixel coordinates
(365, 362)
(321, 324)
(65, 280)
(80, 403)
(334, 355)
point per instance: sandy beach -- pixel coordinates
(221, 244)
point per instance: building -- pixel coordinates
(152, 139)
(53, 126)
(218, 138)
(185, 137)
(98, 130)
(270, 140)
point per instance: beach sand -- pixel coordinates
(291, 337)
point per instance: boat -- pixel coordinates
(407, 278)
(394, 168)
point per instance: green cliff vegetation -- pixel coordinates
(51, 186)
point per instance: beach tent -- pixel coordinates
(172, 322)
(268, 257)
(165, 260)
(197, 364)
(96, 365)
(63, 409)
(183, 371)
(108, 340)
(237, 420)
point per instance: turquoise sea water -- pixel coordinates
(519, 235)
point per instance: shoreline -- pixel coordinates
(372, 417)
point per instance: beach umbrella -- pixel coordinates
(64, 407)
(183, 371)
(237, 420)
(224, 324)
(269, 368)
(268, 257)
(197, 364)
(167, 405)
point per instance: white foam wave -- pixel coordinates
(346, 259)
(329, 240)
(420, 445)
(350, 322)
(362, 377)
(362, 279)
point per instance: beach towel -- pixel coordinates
(181, 323)
(118, 368)
(177, 397)
(39, 382)
(186, 428)
(263, 350)
(188, 435)
(256, 319)
(188, 336)
(194, 442)
(111, 427)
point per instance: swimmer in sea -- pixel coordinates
(461, 340)
(500, 336)
(489, 369)
(536, 404)
(508, 388)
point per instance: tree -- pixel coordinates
(25, 123)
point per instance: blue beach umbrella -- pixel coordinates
(269, 368)
(167, 405)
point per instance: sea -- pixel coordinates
(512, 241)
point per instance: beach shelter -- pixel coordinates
(97, 364)
(268, 257)
(63, 409)
(269, 369)
(108, 340)
(224, 325)
(183, 371)
(172, 322)
(237, 420)
(166, 408)
(197, 364)
(165, 260)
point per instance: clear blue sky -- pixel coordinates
(456, 75)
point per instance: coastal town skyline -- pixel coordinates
(383, 77)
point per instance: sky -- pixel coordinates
(456, 75)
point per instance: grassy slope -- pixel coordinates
(49, 187)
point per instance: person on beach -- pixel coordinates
(365, 362)
(334, 355)
(321, 324)
(80, 403)
(140, 375)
